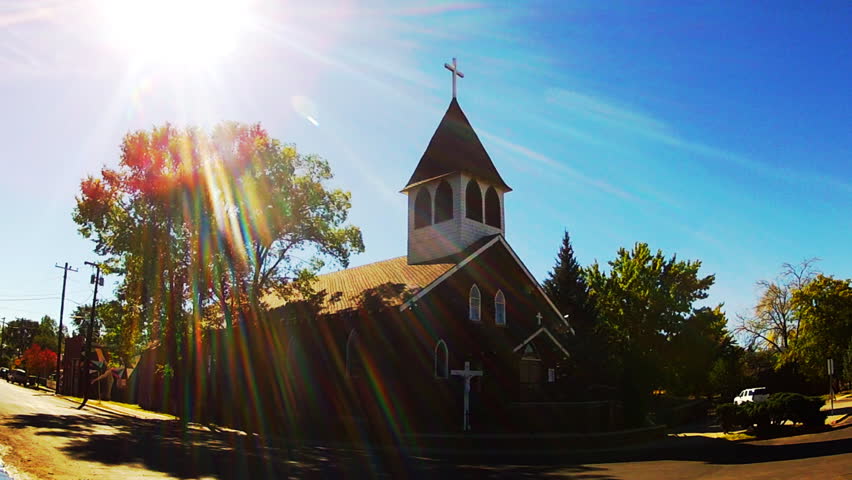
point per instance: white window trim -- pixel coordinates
(470, 305)
(446, 373)
(497, 296)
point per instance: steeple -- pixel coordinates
(455, 147)
(455, 195)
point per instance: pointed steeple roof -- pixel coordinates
(455, 148)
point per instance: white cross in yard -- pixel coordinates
(467, 374)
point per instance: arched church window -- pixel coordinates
(442, 360)
(354, 357)
(473, 201)
(294, 357)
(422, 208)
(492, 208)
(500, 308)
(443, 202)
(475, 303)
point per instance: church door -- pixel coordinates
(530, 374)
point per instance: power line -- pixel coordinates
(35, 299)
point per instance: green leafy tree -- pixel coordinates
(203, 227)
(643, 302)
(18, 336)
(847, 364)
(46, 334)
(824, 307)
(695, 349)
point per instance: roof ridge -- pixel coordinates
(361, 266)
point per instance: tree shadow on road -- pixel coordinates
(168, 447)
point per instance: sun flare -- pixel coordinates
(183, 31)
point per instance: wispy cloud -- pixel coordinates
(553, 164)
(602, 110)
(612, 115)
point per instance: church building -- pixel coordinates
(452, 336)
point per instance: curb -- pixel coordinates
(99, 408)
(841, 419)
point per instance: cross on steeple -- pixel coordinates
(455, 71)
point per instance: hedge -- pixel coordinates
(777, 409)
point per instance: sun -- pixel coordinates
(175, 31)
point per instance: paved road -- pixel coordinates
(48, 438)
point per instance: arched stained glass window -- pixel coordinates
(442, 360)
(500, 308)
(475, 303)
(354, 359)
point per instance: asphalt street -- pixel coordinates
(42, 436)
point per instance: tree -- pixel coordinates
(47, 332)
(643, 303)
(847, 363)
(566, 286)
(774, 323)
(18, 336)
(39, 361)
(202, 227)
(702, 341)
(824, 309)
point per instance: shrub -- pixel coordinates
(731, 417)
(796, 408)
(777, 409)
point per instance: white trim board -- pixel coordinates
(471, 257)
(449, 273)
(537, 333)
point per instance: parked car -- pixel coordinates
(4, 373)
(18, 376)
(756, 395)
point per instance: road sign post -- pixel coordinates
(831, 383)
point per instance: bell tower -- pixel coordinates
(455, 195)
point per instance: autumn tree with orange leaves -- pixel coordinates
(202, 227)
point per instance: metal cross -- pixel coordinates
(454, 68)
(539, 317)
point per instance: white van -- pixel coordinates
(755, 395)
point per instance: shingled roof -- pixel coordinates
(455, 147)
(394, 279)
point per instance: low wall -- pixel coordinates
(567, 417)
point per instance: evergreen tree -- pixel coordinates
(567, 288)
(587, 368)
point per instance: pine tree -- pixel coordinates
(588, 368)
(568, 290)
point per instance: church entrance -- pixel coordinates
(530, 374)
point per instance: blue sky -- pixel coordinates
(717, 132)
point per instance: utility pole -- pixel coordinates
(97, 280)
(3, 337)
(59, 334)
